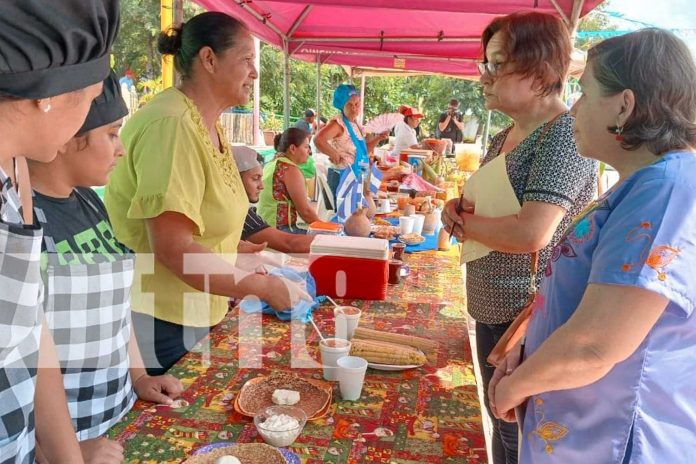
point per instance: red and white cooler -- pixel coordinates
(350, 267)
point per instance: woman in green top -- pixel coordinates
(284, 195)
(178, 197)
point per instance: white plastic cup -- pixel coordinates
(418, 221)
(385, 206)
(347, 319)
(406, 224)
(331, 354)
(351, 376)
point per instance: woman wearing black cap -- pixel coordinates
(82, 253)
(178, 194)
(53, 59)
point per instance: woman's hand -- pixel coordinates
(505, 369)
(452, 220)
(245, 246)
(160, 389)
(101, 451)
(283, 294)
(505, 399)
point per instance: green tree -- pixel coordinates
(136, 45)
(595, 21)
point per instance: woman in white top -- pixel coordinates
(405, 131)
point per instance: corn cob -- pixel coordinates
(429, 347)
(386, 353)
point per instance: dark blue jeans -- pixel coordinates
(504, 440)
(332, 178)
(163, 343)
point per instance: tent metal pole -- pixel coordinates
(299, 20)
(166, 21)
(561, 13)
(255, 124)
(484, 137)
(265, 19)
(389, 39)
(361, 118)
(318, 103)
(329, 53)
(575, 18)
(286, 85)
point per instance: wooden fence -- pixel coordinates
(238, 127)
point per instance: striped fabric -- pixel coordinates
(253, 223)
(350, 193)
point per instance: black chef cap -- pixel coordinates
(107, 107)
(51, 47)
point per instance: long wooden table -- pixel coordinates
(425, 415)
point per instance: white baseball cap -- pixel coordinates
(245, 157)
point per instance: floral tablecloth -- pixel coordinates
(425, 415)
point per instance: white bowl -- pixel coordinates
(280, 438)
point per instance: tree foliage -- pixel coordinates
(136, 48)
(596, 20)
(430, 94)
(136, 45)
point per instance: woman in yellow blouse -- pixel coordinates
(178, 195)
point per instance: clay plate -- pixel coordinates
(257, 394)
(247, 453)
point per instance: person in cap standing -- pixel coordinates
(101, 377)
(53, 59)
(256, 230)
(405, 131)
(178, 194)
(342, 139)
(308, 124)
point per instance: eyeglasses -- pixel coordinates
(489, 68)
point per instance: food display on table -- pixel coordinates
(411, 239)
(388, 353)
(280, 425)
(244, 453)
(388, 232)
(257, 394)
(285, 397)
(324, 227)
(428, 347)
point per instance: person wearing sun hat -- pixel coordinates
(405, 131)
(53, 59)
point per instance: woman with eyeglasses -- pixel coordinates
(535, 161)
(608, 369)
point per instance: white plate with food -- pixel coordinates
(392, 367)
(411, 239)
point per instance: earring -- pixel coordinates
(46, 108)
(617, 131)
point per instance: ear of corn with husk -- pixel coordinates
(429, 347)
(386, 353)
